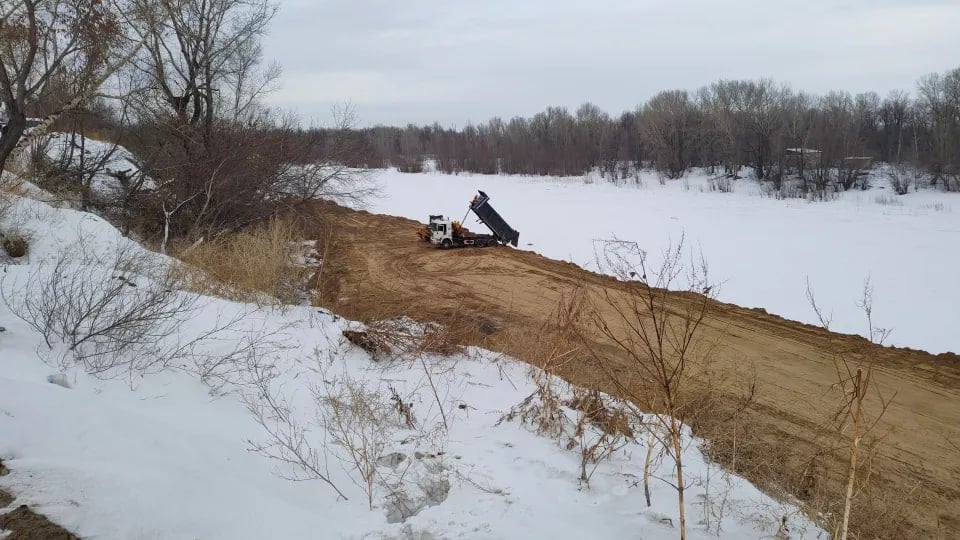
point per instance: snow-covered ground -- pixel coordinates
(102, 161)
(760, 249)
(170, 454)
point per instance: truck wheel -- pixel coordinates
(447, 244)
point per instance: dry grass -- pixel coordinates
(403, 338)
(12, 241)
(258, 265)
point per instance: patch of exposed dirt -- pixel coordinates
(26, 524)
(379, 270)
(22, 523)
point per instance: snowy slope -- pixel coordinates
(165, 455)
(103, 160)
(762, 250)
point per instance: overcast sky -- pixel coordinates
(455, 61)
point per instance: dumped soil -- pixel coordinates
(501, 299)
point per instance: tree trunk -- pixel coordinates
(646, 468)
(678, 461)
(859, 389)
(851, 480)
(12, 132)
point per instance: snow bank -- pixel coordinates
(51, 231)
(168, 456)
(760, 249)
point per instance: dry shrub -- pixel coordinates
(10, 187)
(601, 430)
(403, 338)
(542, 410)
(359, 423)
(554, 346)
(610, 417)
(257, 265)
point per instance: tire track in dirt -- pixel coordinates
(385, 271)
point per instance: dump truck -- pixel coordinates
(445, 233)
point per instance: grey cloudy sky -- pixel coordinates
(455, 61)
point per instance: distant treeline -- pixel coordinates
(726, 125)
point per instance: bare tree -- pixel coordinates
(45, 41)
(735, 123)
(669, 125)
(202, 61)
(939, 103)
(222, 159)
(657, 335)
(856, 421)
(893, 120)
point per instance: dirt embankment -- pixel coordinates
(501, 297)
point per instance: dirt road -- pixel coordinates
(507, 294)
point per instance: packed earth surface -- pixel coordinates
(502, 296)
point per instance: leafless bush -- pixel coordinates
(899, 179)
(856, 422)
(853, 430)
(602, 428)
(404, 409)
(225, 368)
(824, 319)
(102, 314)
(715, 501)
(288, 441)
(353, 423)
(594, 425)
(657, 333)
(887, 200)
(793, 189)
(409, 164)
(542, 410)
(723, 184)
(360, 422)
(555, 345)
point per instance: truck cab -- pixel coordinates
(441, 231)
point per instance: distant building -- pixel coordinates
(810, 157)
(858, 162)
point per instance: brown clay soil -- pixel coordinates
(379, 269)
